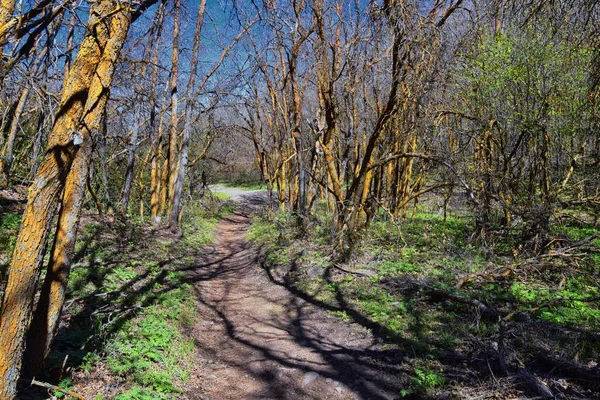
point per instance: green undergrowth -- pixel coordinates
(221, 196)
(130, 307)
(247, 184)
(151, 350)
(9, 228)
(428, 249)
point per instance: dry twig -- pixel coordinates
(57, 388)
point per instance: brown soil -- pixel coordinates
(257, 340)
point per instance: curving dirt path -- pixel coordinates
(258, 340)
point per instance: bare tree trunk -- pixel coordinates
(37, 143)
(7, 156)
(297, 137)
(150, 56)
(159, 172)
(130, 161)
(183, 158)
(102, 151)
(69, 50)
(156, 131)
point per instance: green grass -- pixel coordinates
(244, 184)
(150, 350)
(199, 232)
(440, 252)
(136, 306)
(425, 381)
(221, 196)
(263, 231)
(145, 347)
(141, 393)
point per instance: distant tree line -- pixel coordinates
(369, 105)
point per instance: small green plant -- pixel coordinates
(343, 315)
(10, 221)
(9, 228)
(66, 384)
(140, 393)
(124, 274)
(397, 267)
(425, 380)
(88, 361)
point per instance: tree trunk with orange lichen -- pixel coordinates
(7, 8)
(63, 171)
(6, 154)
(187, 129)
(156, 134)
(47, 313)
(171, 169)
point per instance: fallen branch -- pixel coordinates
(411, 284)
(583, 242)
(570, 370)
(95, 293)
(535, 384)
(489, 311)
(106, 310)
(488, 276)
(563, 253)
(57, 388)
(337, 266)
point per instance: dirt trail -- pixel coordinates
(257, 340)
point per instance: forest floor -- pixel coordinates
(260, 340)
(151, 315)
(241, 307)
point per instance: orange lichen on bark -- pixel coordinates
(7, 7)
(84, 97)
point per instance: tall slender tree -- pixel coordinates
(61, 176)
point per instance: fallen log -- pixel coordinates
(535, 384)
(569, 370)
(485, 309)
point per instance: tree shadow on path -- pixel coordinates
(264, 331)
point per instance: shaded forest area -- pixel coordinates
(431, 168)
